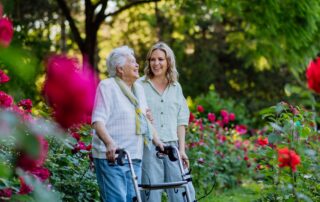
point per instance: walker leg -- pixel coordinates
(134, 180)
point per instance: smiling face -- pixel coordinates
(158, 63)
(129, 73)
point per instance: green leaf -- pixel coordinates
(274, 138)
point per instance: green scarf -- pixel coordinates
(139, 116)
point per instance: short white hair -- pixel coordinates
(117, 58)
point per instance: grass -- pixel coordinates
(247, 192)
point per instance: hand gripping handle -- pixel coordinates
(168, 150)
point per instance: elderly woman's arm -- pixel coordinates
(106, 139)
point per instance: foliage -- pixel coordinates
(293, 128)
(22, 157)
(72, 167)
(249, 191)
(218, 151)
(212, 102)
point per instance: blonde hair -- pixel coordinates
(172, 73)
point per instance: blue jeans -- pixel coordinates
(115, 181)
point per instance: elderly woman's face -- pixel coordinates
(130, 69)
(158, 63)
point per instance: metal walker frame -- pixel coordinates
(173, 154)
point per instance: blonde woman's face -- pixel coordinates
(158, 63)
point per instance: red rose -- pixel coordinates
(288, 158)
(313, 75)
(5, 100)
(200, 108)
(6, 32)
(3, 77)
(262, 141)
(24, 188)
(76, 136)
(89, 147)
(211, 117)
(191, 118)
(41, 173)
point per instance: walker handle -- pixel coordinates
(121, 156)
(168, 150)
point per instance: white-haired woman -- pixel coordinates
(119, 121)
(170, 117)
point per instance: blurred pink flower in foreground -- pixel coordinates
(5, 100)
(6, 32)
(3, 77)
(6, 193)
(69, 90)
(1, 10)
(24, 188)
(26, 104)
(28, 162)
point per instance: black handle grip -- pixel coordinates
(121, 156)
(168, 150)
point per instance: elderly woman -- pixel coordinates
(119, 121)
(171, 116)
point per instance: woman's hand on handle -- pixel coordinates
(184, 159)
(111, 153)
(158, 143)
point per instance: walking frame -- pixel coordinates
(173, 154)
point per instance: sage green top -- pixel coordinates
(169, 109)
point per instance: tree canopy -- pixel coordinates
(233, 46)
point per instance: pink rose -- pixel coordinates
(3, 77)
(211, 117)
(6, 32)
(224, 113)
(241, 129)
(26, 104)
(69, 90)
(1, 10)
(232, 117)
(6, 193)
(5, 100)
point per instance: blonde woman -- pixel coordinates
(170, 115)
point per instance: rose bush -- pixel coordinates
(290, 162)
(218, 148)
